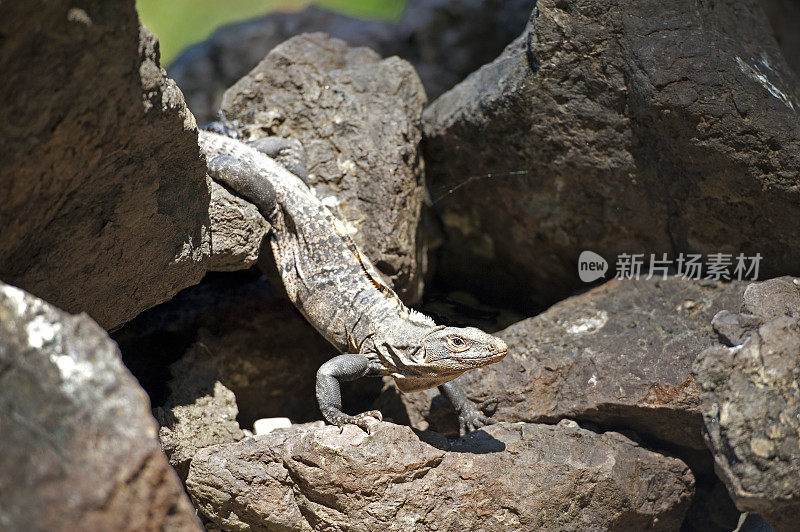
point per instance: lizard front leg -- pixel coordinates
(329, 396)
(469, 417)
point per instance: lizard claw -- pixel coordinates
(372, 413)
(363, 420)
(471, 419)
(490, 405)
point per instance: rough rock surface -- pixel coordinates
(237, 231)
(444, 39)
(79, 446)
(358, 118)
(503, 477)
(640, 126)
(619, 355)
(752, 416)
(199, 413)
(103, 197)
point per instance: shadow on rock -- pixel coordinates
(478, 442)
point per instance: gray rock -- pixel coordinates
(773, 298)
(200, 412)
(79, 446)
(237, 231)
(358, 118)
(733, 328)
(761, 302)
(752, 407)
(503, 477)
(632, 126)
(444, 39)
(104, 202)
(619, 356)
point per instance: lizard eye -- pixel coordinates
(456, 343)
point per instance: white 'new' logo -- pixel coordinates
(591, 266)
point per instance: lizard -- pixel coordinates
(342, 295)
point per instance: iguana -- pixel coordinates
(343, 296)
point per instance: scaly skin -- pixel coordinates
(343, 296)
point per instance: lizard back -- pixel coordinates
(327, 278)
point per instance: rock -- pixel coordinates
(104, 201)
(79, 444)
(237, 231)
(773, 298)
(784, 17)
(616, 126)
(444, 39)
(761, 302)
(752, 406)
(358, 118)
(504, 477)
(619, 356)
(200, 413)
(734, 328)
(268, 424)
(159, 337)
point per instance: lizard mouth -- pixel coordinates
(497, 356)
(491, 358)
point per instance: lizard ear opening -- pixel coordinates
(418, 355)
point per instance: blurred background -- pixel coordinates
(180, 23)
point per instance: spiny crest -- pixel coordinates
(341, 230)
(413, 316)
(418, 318)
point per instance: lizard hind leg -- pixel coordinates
(245, 181)
(287, 152)
(346, 367)
(223, 126)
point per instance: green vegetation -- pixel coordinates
(179, 23)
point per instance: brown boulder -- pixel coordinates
(752, 404)
(507, 476)
(237, 231)
(655, 126)
(358, 118)
(103, 195)
(199, 413)
(619, 356)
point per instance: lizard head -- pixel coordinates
(442, 354)
(457, 349)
